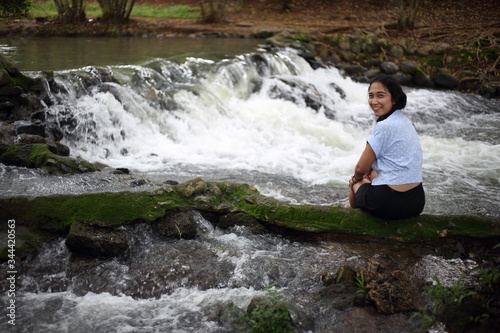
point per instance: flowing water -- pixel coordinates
(263, 118)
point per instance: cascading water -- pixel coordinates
(189, 285)
(266, 119)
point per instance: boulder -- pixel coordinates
(39, 155)
(409, 67)
(404, 79)
(397, 51)
(88, 240)
(442, 78)
(393, 293)
(176, 225)
(422, 80)
(388, 67)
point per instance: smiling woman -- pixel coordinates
(387, 180)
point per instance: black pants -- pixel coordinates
(387, 203)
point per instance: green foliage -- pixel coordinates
(490, 278)
(439, 297)
(47, 8)
(176, 12)
(14, 7)
(360, 282)
(453, 295)
(270, 315)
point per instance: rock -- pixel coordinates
(24, 127)
(193, 187)
(30, 138)
(397, 51)
(4, 77)
(11, 91)
(404, 79)
(40, 156)
(354, 69)
(345, 275)
(442, 78)
(389, 67)
(440, 48)
(87, 240)
(345, 45)
(409, 67)
(425, 50)
(371, 73)
(422, 80)
(176, 225)
(393, 293)
(6, 106)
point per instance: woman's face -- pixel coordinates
(380, 99)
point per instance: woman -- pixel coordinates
(387, 180)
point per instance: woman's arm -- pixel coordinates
(364, 166)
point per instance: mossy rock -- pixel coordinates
(16, 78)
(58, 213)
(40, 156)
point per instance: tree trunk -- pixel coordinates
(116, 11)
(407, 14)
(213, 11)
(70, 11)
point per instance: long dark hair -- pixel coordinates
(394, 88)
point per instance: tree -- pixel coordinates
(213, 11)
(116, 11)
(407, 14)
(70, 11)
(14, 7)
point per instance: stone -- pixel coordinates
(425, 51)
(345, 45)
(11, 91)
(388, 67)
(88, 240)
(397, 51)
(346, 55)
(4, 77)
(193, 187)
(404, 79)
(408, 67)
(354, 69)
(30, 138)
(176, 225)
(24, 127)
(423, 80)
(371, 73)
(442, 78)
(440, 48)
(345, 275)
(393, 293)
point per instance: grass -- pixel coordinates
(47, 8)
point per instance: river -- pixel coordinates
(227, 110)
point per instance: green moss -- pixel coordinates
(40, 156)
(58, 213)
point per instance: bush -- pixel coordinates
(14, 7)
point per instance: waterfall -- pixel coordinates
(270, 120)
